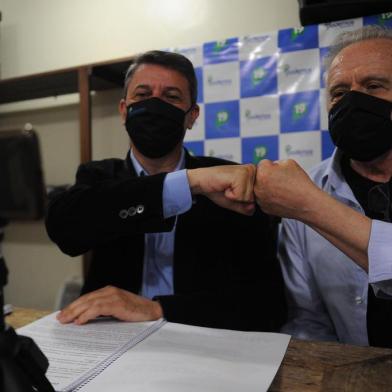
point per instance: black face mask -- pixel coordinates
(155, 126)
(361, 126)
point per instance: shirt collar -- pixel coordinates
(333, 179)
(333, 173)
(140, 171)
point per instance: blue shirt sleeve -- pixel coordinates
(380, 257)
(176, 197)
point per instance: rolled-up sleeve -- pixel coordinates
(380, 257)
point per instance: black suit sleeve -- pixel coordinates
(105, 203)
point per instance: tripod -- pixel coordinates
(22, 363)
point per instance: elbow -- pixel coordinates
(67, 243)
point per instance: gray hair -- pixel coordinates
(351, 37)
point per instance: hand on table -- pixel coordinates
(111, 301)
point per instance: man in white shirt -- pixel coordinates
(336, 248)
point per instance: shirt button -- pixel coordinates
(131, 211)
(358, 300)
(151, 277)
(123, 214)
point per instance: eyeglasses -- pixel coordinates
(379, 202)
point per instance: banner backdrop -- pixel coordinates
(262, 96)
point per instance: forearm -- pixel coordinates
(344, 227)
(194, 178)
(282, 188)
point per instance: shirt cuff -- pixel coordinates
(380, 252)
(176, 197)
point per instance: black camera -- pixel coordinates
(22, 191)
(22, 196)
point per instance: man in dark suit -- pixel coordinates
(162, 244)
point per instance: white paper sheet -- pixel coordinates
(73, 350)
(180, 358)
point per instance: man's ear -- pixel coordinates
(192, 116)
(122, 109)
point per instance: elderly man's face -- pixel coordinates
(366, 67)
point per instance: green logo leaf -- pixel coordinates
(297, 32)
(219, 46)
(299, 110)
(221, 118)
(259, 153)
(258, 75)
(384, 18)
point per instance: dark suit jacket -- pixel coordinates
(225, 271)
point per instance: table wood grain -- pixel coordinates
(307, 366)
(317, 366)
(22, 316)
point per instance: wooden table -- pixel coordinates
(23, 316)
(307, 366)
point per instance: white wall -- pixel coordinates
(42, 35)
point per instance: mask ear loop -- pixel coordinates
(192, 106)
(190, 109)
(379, 201)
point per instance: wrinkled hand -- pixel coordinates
(283, 188)
(110, 301)
(229, 186)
